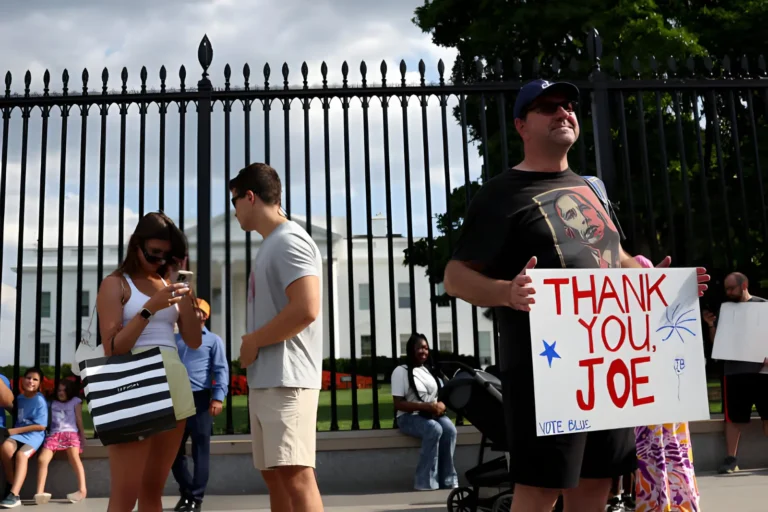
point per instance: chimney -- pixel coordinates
(379, 225)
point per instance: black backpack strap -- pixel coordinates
(598, 187)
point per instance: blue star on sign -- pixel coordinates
(549, 352)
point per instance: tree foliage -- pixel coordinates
(673, 196)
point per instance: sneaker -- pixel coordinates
(42, 498)
(75, 497)
(629, 503)
(182, 504)
(194, 506)
(615, 505)
(12, 501)
(730, 465)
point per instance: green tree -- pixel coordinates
(548, 39)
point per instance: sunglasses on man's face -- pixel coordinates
(236, 199)
(549, 108)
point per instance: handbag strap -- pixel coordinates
(93, 312)
(122, 306)
(90, 323)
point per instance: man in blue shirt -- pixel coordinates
(209, 375)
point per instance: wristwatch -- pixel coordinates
(145, 314)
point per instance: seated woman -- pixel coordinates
(419, 414)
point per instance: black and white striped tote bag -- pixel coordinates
(128, 396)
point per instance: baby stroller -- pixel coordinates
(475, 395)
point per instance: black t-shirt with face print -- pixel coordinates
(516, 215)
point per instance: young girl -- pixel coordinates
(26, 436)
(66, 434)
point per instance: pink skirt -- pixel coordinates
(61, 441)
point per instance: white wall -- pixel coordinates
(362, 320)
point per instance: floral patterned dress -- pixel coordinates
(665, 479)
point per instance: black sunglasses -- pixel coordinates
(236, 198)
(549, 108)
(154, 256)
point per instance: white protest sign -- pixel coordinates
(616, 348)
(742, 332)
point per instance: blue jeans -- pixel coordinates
(438, 443)
(199, 429)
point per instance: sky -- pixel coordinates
(77, 34)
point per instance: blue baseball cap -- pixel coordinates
(536, 88)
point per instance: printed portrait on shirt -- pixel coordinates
(580, 226)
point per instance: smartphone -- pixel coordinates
(184, 276)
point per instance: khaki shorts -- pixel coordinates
(178, 382)
(283, 426)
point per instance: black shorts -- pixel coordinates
(558, 461)
(741, 392)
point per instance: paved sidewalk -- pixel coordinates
(742, 492)
(413, 502)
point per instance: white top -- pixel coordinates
(159, 330)
(422, 379)
(286, 255)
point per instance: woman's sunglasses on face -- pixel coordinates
(549, 108)
(154, 255)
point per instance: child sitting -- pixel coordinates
(26, 436)
(65, 435)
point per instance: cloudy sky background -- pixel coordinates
(76, 34)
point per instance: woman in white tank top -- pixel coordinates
(137, 311)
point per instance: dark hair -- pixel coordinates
(740, 278)
(153, 226)
(35, 369)
(260, 179)
(412, 363)
(71, 389)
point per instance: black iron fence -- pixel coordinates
(677, 144)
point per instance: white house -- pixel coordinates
(237, 292)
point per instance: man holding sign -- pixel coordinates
(540, 213)
(744, 383)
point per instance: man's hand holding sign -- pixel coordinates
(626, 344)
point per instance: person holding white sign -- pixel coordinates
(542, 213)
(744, 383)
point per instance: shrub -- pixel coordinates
(386, 365)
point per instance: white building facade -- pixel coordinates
(236, 290)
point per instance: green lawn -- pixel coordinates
(344, 410)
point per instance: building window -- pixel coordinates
(45, 354)
(439, 291)
(404, 295)
(445, 342)
(404, 343)
(216, 302)
(366, 346)
(85, 304)
(365, 300)
(484, 342)
(45, 305)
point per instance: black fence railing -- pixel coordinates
(677, 145)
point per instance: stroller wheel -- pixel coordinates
(462, 499)
(502, 504)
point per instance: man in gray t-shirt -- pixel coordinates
(745, 384)
(283, 349)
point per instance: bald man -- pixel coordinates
(744, 384)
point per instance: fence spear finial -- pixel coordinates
(205, 55)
